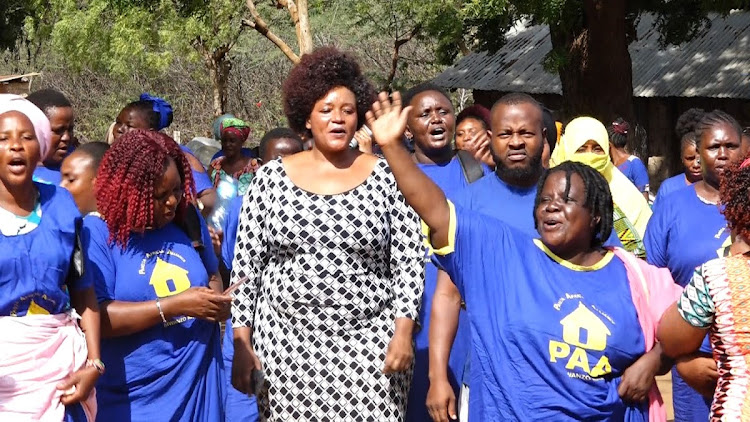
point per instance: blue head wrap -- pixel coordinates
(161, 107)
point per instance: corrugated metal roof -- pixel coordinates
(715, 64)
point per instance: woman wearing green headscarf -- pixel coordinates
(586, 141)
(233, 164)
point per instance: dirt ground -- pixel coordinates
(665, 387)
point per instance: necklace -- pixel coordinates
(706, 201)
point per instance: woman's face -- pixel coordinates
(231, 144)
(78, 177)
(591, 146)
(692, 163)
(564, 223)
(719, 146)
(333, 120)
(167, 195)
(431, 121)
(467, 129)
(19, 149)
(129, 119)
(61, 121)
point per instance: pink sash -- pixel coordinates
(653, 291)
(36, 353)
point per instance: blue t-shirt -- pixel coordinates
(48, 175)
(636, 172)
(493, 197)
(683, 233)
(670, 185)
(450, 175)
(238, 407)
(201, 179)
(170, 371)
(34, 266)
(450, 178)
(550, 341)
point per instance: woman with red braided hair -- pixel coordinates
(157, 284)
(717, 301)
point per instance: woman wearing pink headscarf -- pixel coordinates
(49, 368)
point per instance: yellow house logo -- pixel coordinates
(582, 331)
(163, 273)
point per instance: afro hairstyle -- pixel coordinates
(314, 76)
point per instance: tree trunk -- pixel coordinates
(304, 34)
(219, 74)
(218, 66)
(597, 76)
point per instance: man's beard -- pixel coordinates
(522, 176)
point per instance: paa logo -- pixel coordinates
(582, 331)
(163, 274)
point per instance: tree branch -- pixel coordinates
(258, 24)
(298, 14)
(394, 60)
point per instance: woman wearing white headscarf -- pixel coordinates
(49, 368)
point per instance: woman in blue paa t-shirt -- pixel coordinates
(555, 331)
(48, 366)
(692, 165)
(155, 114)
(158, 287)
(688, 229)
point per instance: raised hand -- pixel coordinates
(387, 120)
(364, 140)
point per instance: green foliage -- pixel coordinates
(106, 37)
(125, 36)
(12, 16)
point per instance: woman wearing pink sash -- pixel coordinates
(49, 367)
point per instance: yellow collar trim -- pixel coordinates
(569, 265)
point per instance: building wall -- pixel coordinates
(18, 87)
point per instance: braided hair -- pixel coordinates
(687, 121)
(597, 193)
(127, 176)
(618, 132)
(734, 194)
(715, 118)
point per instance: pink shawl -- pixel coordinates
(37, 352)
(653, 291)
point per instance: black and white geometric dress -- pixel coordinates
(328, 275)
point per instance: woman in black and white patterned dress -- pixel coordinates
(334, 265)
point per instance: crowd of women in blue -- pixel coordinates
(360, 263)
